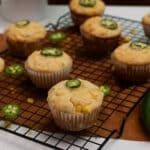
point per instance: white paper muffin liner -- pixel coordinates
(136, 73)
(47, 79)
(74, 122)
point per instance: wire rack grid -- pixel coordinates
(35, 121)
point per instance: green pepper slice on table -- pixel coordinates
(11, 111)
(106, 89)
(56, 37)
(14, 70)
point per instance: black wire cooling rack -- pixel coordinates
(35, 122)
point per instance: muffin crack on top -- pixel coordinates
(84, 98)
(25, 36)
(94, 27)
(28, 33)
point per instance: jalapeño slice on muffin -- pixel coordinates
(73, 83)
(105, 89)
(22, 23)
(138, 45)
(87, 3)
(11, 111)
(51, 51)
(109, 23)
(57, 37)
(14, 70)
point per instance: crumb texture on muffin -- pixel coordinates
(126, 54)
(89, 11)
(83, 99)
(30, 33)
(93, 27)
(2, 64)
(146, 19)
(38, 62)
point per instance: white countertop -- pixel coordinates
(12, 142)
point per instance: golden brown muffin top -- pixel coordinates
(83, 99)
(38, 62)
(30, 32)
(146, 19)
(134, 53)
(97, 9)
(94, 27)
(2, 64)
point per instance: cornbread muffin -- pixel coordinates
(3, 43)
(75, 104)
(84, 9)
(131, 61)
(100, 35)
(146, 24)
(48, 66)
(25, 36)
(2, 65)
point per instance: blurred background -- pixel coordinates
(118, 2)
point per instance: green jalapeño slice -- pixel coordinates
(105, 89)
(11, 111)
(109, 23)
(87, 3)
(74, 83)
(22, 23)
(57, 37)
(138, 45)
(14, 70)
(51, 51)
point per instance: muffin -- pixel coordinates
(2, 64)
(131, 62)
(48, 66)
(84, 9)
(100, 35)
(25, 36)
(146, 24)
(75, 104)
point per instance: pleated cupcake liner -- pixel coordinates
(46, 79)
(74, 122)
(80, 19)
(146, 29)
(134, 73)
(24, 49)
(99, 46)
